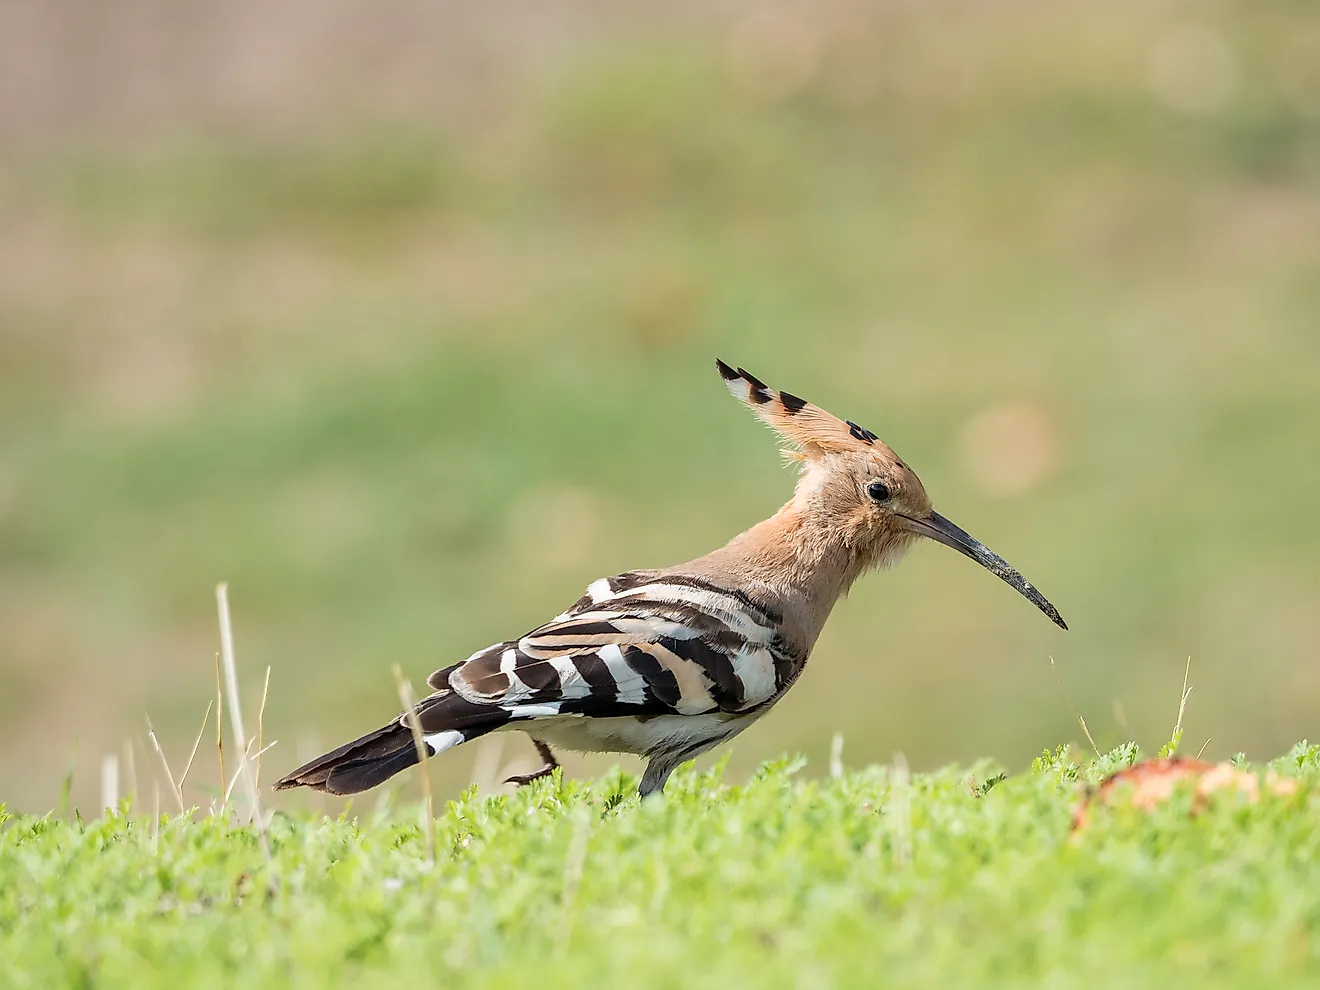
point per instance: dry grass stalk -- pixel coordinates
(220, 720)
(110, 781)
(261, 725)
(901, 797)
(423, 754)
(178, 794)
(1120, 716)
(1073, 708)
(130, 769)
(836, 756)
(236, 716)
(193, 755)
(229, 788)
(1182, 701)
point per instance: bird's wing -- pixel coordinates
(641, 643)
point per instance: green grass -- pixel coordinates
(953, 878)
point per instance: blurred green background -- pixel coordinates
(402, 320)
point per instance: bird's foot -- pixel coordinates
(551, 764)
(526, 778)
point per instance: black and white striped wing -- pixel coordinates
(640, 643)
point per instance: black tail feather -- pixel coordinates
(357, 765)
(378, 756)
(362, 775)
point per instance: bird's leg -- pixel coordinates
(547, 755)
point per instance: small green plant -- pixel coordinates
(989, 784)
(1055, 761)
(782, 881)
(1170, 748)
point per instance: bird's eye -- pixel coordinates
(878, 491)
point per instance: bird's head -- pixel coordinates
(856, 489)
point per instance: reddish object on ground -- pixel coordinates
(1152, 782)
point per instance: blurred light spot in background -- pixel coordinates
(1192, 70)
(1009, 449)
(773, 52)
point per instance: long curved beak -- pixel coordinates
(942, 531)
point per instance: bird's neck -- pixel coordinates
(794, 557)
(791, 550)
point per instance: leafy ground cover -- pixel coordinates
(961, 877)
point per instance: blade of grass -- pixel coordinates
(229, 788)
(236, 720)
(110, 781)
(1073, 708)
(1171, 747)
(423, 754)
(261, 724)
(130, 768)
(178, 794)
(1120, 716)
(220, 722)
(900, 793)
(193, 755)
(1182, 699)
(66, 785)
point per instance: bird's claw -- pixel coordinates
(526, 778)
(547, 755)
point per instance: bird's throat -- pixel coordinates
(806, 564)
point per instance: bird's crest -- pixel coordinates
(809, 429)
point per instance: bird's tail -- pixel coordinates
(447, 721)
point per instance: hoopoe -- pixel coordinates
(668, 663)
